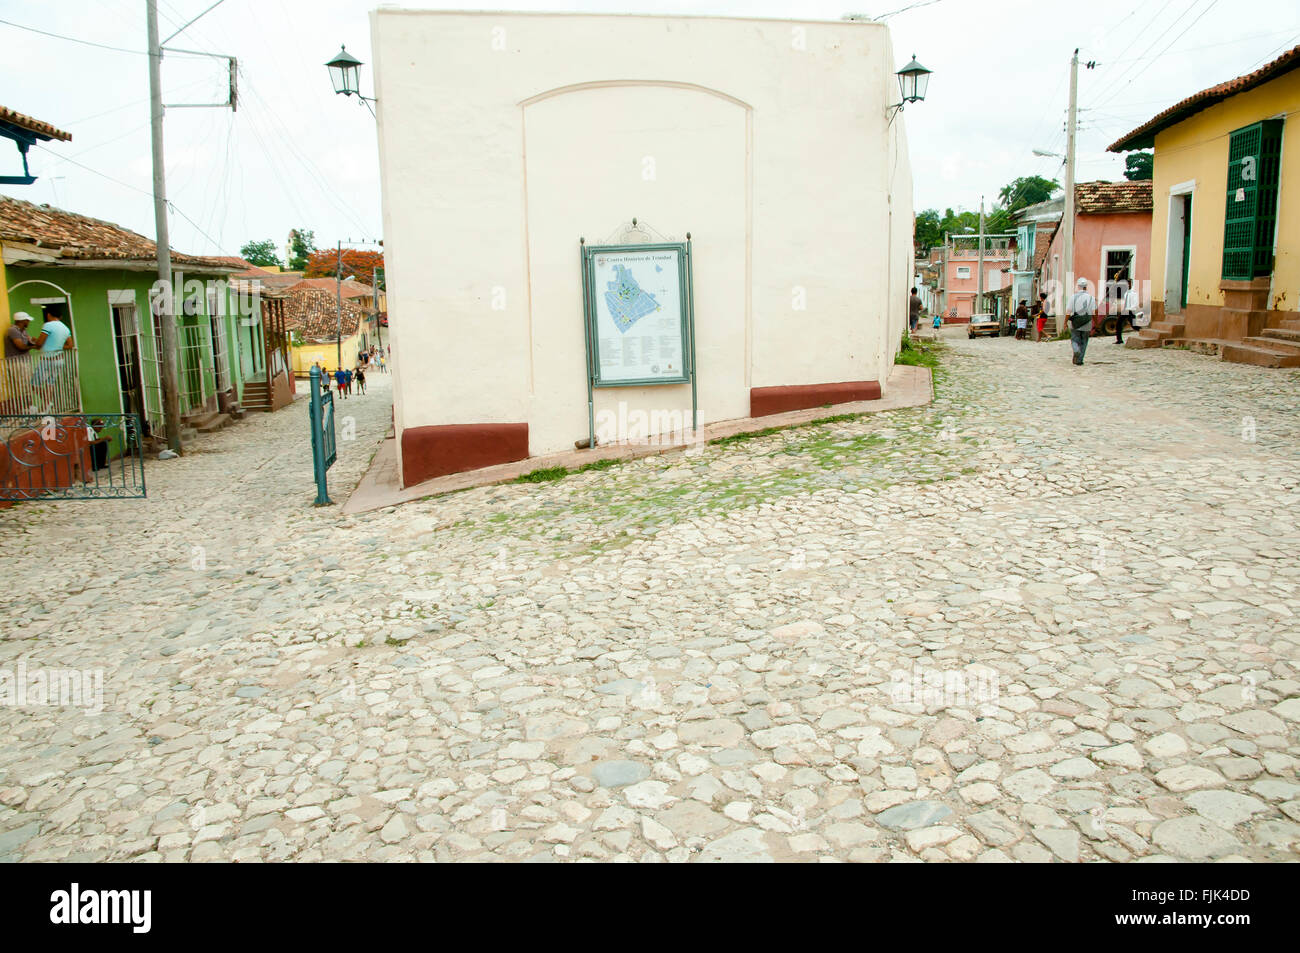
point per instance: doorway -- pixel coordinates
(130, 376)
(1178, 252)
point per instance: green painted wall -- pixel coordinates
(92, 329)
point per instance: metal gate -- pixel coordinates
(195, 367)
(71, 457)
(324, 449)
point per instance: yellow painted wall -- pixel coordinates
(4, 295)
(305, 355)
(1197, 149)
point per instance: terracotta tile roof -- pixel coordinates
(272, 279)
(1144, 136)
(1100, 198)
(68, 235)
(43, 130)
(351, 289)
(313, 313)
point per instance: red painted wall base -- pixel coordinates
(778, 400)
(429, 452)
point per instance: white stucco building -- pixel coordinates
(506, 137)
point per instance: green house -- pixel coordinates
(104, 278)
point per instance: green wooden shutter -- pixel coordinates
(1253, 165)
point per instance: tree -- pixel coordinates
(260, 253)
(927, 233)
(356, 264)
(302, 243)
(1025, 191)
(1139, 166)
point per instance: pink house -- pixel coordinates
(959, 273)
(1112, 243)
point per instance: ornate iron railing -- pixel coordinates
(71, 457)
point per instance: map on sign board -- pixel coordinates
(637, 313)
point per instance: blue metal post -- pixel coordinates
(319, 466)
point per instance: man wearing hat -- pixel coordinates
(17, 340)
(1082, 306)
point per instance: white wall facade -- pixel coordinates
(505, 137)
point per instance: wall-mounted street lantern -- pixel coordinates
(345, 74)
(913, 80)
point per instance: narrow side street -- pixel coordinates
(1048, 617)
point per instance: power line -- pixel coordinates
(912, 6)
(1199, 17)
(73, 39)
(1138, 35)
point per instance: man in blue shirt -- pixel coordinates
(54, 339)
(55, 335)
(340, 378)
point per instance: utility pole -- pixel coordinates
(979, 264)
(374, 284)
(1067, 214)
(166, 303)
(166, 300)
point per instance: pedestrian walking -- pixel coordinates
(913, 311)
(1127, 309)
(1022, 320)
(1080, 310)
(340, 381)
(1040, 323)
(347, 381)
(361, 380)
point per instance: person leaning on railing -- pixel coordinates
(17, 341)
(54, 339)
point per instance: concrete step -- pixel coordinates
(1259, 356)
(1282, 334)
(1210, 346)
(215, 423)
(1267, 341)
(200, 419)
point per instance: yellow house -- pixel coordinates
(1225, 230)
(319, 336)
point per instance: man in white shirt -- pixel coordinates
(1079, 311)
(1127, 309)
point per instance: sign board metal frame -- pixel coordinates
(686, 296)
(590, 303)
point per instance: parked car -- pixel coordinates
(983, 324)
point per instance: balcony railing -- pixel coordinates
(40, 382)
(988, 253)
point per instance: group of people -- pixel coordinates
(43, 353)
(1081, 309)
(1039, 314)
(914, 308)
(55, 334)
(344, 380)
(373, 356)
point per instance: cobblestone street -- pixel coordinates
(1050, 616)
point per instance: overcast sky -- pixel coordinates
(295, 154)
